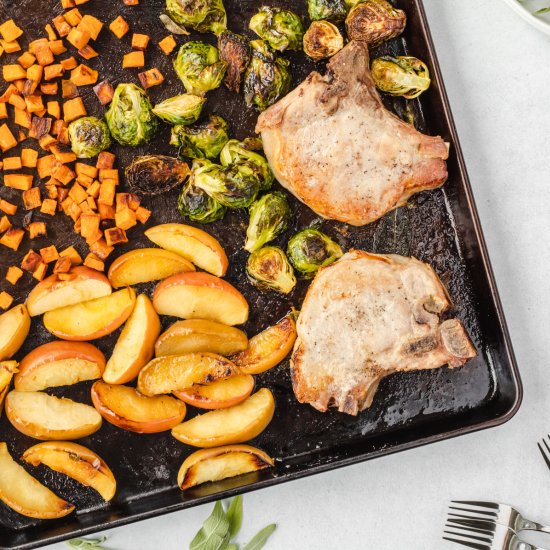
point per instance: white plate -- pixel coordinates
(526, 9)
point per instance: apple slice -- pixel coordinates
(25, 494)
(135, 345)
(179, 372)
(75, 461)
(146, 264)
(7, 370)
(220, 463)
(220, 394)
(126, 408)
(194, 244)
(194, 335)
(268, 348)
(59, 364)
(201, 296)
(93, 319)
(46, 417)
(226, 426)
(52, 293)
(14, 328)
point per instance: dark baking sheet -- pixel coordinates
(410, 409)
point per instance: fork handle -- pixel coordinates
(526, 525)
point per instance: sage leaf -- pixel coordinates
(235, 515)
(87, 543)
(214, 534)
(259, 540)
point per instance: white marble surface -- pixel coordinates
(497, 72)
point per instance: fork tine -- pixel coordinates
(546, 459)
(480, 503)
(477, 514)
(484, 525)
(468, 544)
(471, 532)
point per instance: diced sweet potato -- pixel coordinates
(14, 274)
(72, 254)
(30, 261)
(86, 169)
(93, 189)
(101, 249)
(34, 104)
(131, 2)
(54, 109)
(119, 27)
(49, 206)
(12, 238)
(29, 158)
(10, 31)
(50, 32)
(62, 26)
(40, 272)
(69, 89)
(150, 78)
(78, 193)
(142, 214)
(105, 160)
(73, 17)
(23, 182)
(87, 52)
(26, 60)
(62, 153)
(53, 71)
(107, 192)
(109, 174)
(45, 166)
(49, 88)
(140, 41)
(89, 228)
(7, 207)
(115, 235)
(73, 109)
(44, 54)
(63, 265)
(92, 25)
(167, 44)
(49, 254)
(125, 218)
(36, 229)
(12, 163)
(7, 139)
(93, 262)
(22, 118)
(3, 111)
(31, 198)
(78, 38)
(104, 92)
(106, 211)
(133, 59)
(17, 101)
(46, 142)
(127, 200)
(13, 72)
(6, 300)
(57, 47)
(84, 76)
(63, 173)
(5, 224)
(69, 63)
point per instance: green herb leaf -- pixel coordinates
(87, 543)
(233, 546)
(214, 534)
(235, 515)
(258, 541)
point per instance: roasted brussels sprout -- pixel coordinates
(269, 217)
(180, 109)
(234, 186)
(198, 206)
(203, 139)
(310, 250)
(200, 15)
(130, 117)
(235, 150)
(199, 67)
(404, 76)
(269, 268)
(281, 29)
(235, 51)
(374, 21)
(155, 174)
(332, 10)
(267, 78)
(322, 40)
(89, 136)
(172, 26)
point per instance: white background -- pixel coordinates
(497, 73)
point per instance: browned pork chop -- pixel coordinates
(333, 144)
(365, 317)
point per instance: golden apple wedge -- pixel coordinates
(46, 417)
(93, 319)
(25, 494)
(77, 462)
(220, 463)
(146, 264)
(59, 363)
(126, 408)
(7, 370)
(52, 293)
(268, 348)
(135, 345)
(220, 394)
(179, 372)
(14, 328)
(192, 243)
(227, 426)
(195, 335)
(201, 296)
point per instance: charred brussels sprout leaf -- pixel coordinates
(198, 206)
(281, 29)
(204, 139)
(156, 174)
(199, 67)
(235, 51)
(235, 150)
(269, 268)
(269, 217)
(267, 78)
(130, 117)
(172, 26)
(322, 40)
(332, 10)
(402, 76)
(310, 250)
(374, 21)
(180, 109)
(89, 136)
(200, 15)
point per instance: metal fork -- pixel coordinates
(495, 537)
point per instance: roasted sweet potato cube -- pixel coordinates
(5, 224)
(57, 47)
(44, 54)
(63, 135)
(150, 78)
(40, 272)
(78, 193)
(92, 25)
(49, 254)
(62, 153)
(167, 44)
(93, 189)
(13, 72)
(12, 163)
(101, 249)
(109, 174)
(63, 265)
(84, 76)
(63, 173)
(66, 4)
(119, 27)
(73, 17)
(107, 192)
(12, 238)
(140, 41)
(73, 109)
(8, 92)
(21, 136)
(53, 71)
(105, 160)
(93, 262)
(6, 300)
(69, 63)
(40, 127)
(72, 254)
(7, 139)
(125, 218)
(49, 206)
(133, 59)
(14, 274)
(80, 2)
(61, 25)
(29, 158)
(131, 2)
(45, 166)
(30, 261)
(36, 43)
(10, 31)
(17, 101)
(69, 89)
(142, 214)
(54, 109)
(50, 32)
(82, 168)
(49, 88)
(31, 198)
(127, 200)
(37, 229)
(106, 211)
(34, 103)
(46, 142)
(26, 60)
(87, 52)
(23, 182)
(104, 92)
(78, 38)
(89, 228)
(3, 111)
(115, 235)
(8, 207)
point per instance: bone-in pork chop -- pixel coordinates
(333, 144)
(365, 317)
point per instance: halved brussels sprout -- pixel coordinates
(197, 205)
(201, 15)
(235, 150)
(310, 250)
(322, 40)
(281, 29)
(155, 174)
(332, 10)
(180, 109)
(130, 116)
(269, 217)
(374, 21)
(199, 67)
(269, 268)
(404, 76)
(203, 139)
(267, 78)
(235, 51)
(89, 136)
